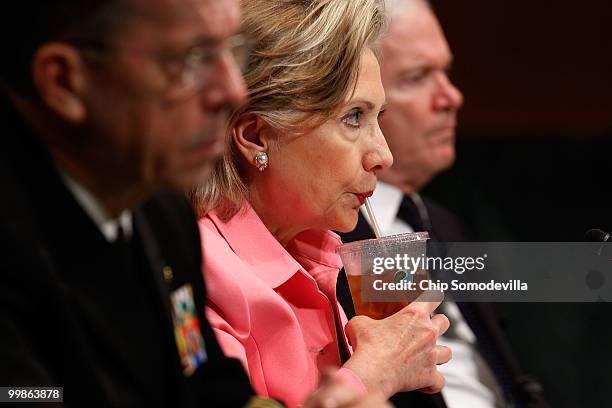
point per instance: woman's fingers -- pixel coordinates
(441, 322)
(443, 354)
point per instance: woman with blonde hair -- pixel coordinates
(301, 157)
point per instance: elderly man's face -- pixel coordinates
(158, 103)
(422, 102)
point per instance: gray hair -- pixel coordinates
(397, 7)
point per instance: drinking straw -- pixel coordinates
(373, 222)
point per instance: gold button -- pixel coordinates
(168, 274)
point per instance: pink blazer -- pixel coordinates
(273, 308)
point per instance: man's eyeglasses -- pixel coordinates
(188, 72)
(193, 70)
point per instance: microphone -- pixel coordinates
(597, 235)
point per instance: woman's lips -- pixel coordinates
(362, 196)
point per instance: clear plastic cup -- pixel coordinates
(362, 265)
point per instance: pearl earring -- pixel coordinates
(261, 160)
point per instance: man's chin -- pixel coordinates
(189, 179)
(444, 156)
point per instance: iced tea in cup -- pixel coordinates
(384, 273)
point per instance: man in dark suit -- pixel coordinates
(419, 126)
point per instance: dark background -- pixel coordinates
(534, 142)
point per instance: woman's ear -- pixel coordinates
(251, 135)
(59, 77)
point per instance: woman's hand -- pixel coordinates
(399, 353)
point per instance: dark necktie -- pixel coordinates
(125, 251)
(414, 213)
(122, 246)
(409, 213)
(489, 348)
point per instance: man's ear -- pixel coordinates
(252, 135)
(59, 76)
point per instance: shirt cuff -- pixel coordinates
(352, 380)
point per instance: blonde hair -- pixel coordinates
(303, 65)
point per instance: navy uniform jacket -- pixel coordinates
(76, 312)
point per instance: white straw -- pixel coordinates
(373, 222)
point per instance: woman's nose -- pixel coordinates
(379, 156)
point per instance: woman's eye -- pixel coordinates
(352, 118)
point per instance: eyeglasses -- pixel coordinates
(188, 72)
(193, 70)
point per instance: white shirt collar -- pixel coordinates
(385, 203)
(107, 225)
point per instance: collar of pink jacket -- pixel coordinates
(247, 235)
